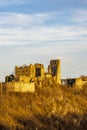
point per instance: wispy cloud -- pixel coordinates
(17, 28)
(23, 20)
(42, 34)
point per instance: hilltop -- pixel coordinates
(51, 107)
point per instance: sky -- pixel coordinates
(36, 31)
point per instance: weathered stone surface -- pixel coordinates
(54, 68)
(19, 87)
(32, 71)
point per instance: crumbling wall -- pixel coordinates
(28, 71)
(79, 83)
(31, 71)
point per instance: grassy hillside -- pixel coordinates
(52, 107)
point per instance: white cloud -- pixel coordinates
(21, 29)
(41, 34)
(24, 20)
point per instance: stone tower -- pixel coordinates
(55, 70)
(58, 72)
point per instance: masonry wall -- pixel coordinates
(18, 87)
(32, 71)
(25, 71)
(79, 83)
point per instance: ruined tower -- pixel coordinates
(58, 72)
(55, 70)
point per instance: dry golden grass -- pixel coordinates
(52, 107)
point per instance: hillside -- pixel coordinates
(51, 107)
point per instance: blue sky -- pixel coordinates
(34, 31)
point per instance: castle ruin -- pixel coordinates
(32, 74)
(35, 73)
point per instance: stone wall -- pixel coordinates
(32, 72)
(18, 87)
(24, 79)
(79, 83)
(28, 71)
